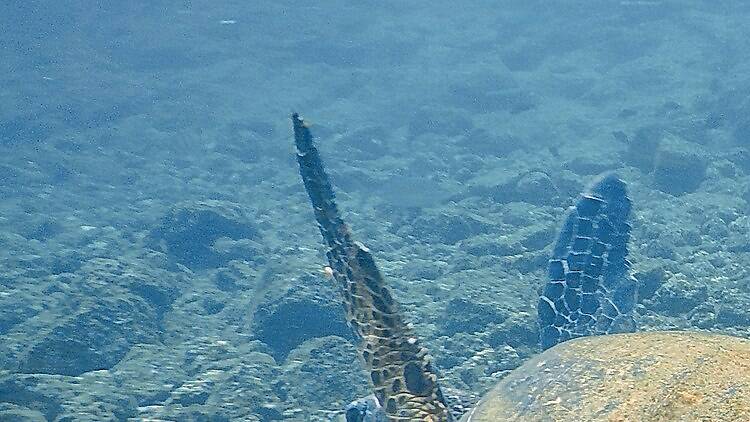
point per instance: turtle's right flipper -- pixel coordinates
(404, 381)
(590, 289)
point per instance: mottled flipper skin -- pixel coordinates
(403, 379)
(590, 289)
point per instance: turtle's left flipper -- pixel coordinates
(404, 381)
(590, 289)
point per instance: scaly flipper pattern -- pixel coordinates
(590, 289)
(404, 381)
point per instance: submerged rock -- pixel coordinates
(205, 234)
(641, 147)
(536, 187)
(283, 324)
(680, 167)
(678, 297)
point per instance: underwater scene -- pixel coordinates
(519, 173)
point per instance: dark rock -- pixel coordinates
(515, 332)
(21, 312)
(703, 316)
(323, 370)
(457, 349)
(97, 328)
(189, 232)
(466, 166)
(726, 169)
(13, 413)
(539, 239)
(692, 237)
(642, 147)
(677, 298)
(660, 248)
(715, 228)
(158, 296)
(465, 316)
(66, 262)
(92, 397)
(531, 261)
(268, 413)
(447, 229)
(212, 306)
(191, 397)
(226, 282)
(649, 282)
(92, 340)
(734, 311)
(22, 391)
(679, 167)
(536, 188)
(286, 324)
(422, 270)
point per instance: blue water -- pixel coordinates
(159, 258)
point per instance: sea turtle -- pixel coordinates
(594, 367)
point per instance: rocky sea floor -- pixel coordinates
(159, 257)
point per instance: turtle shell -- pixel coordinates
(649, 376)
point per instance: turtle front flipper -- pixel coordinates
(590, 289)
(402, 376)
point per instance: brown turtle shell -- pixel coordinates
(648, 376)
